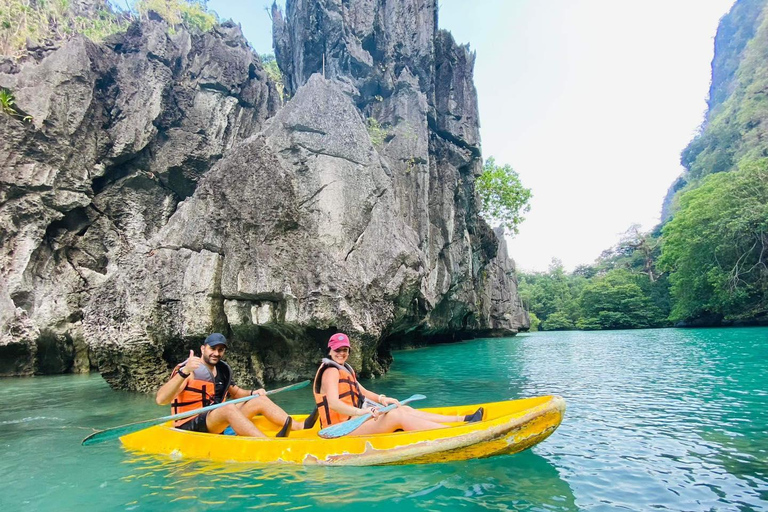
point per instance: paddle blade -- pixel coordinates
(347, 427)
(109, 434)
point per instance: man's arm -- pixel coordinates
(176, 383)
(238, 392)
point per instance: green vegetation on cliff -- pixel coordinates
(51, 20)
(192, 14)
(736, 130)
(41, 20)
(273, 71)
(714, 246)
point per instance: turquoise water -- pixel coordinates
(657, 419)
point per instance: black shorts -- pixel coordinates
(196, 424)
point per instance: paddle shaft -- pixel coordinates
(346, 427)
(121, 430)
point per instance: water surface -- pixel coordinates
(664, 419)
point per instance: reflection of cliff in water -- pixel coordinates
(518, 481)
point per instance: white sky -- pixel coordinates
(590, 101)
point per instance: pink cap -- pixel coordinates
(337, 341)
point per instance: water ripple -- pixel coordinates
(657, 420)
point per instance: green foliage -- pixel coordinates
(273, 72)
(615, 301)
(712, 151)
(535, 322)
(188, 13)
(7, 102)
(8, 105)
(636, 251)
(552, 293)
(39, 20)
(378, 133)
(716, 246)
(622, 290)
(503, 197)
(557, 321)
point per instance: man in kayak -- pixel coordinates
(339, 397)
(202, 381)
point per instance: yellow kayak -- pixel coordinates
(508, 427)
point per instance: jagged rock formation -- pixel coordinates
(412, 79)
(119, 134)
(353, 208)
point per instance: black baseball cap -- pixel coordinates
(216, 339)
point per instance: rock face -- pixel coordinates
(118, 134)
(352, 208)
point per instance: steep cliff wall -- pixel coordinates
(736, 122)
(200, 209)
(415, 82)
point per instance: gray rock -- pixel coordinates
(117, 135)
(158, 195)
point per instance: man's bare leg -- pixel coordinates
(270, 410)
(218, 419)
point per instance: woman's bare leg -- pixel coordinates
(430, 416)
(399, 418)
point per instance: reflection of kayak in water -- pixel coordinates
(507, 427)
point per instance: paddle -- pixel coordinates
(342, 429)
(121, 430)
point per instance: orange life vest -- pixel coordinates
(349, 393)
(200, 390)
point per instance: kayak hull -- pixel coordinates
(508, 427)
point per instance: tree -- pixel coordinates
(273, 71)
(716, 247)
(535, 322)
(557, 321)
(616, 301)
(503, 197)
(552, 296)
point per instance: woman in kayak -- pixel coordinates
(339, 397)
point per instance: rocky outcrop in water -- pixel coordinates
(352, 208)
(118, 134)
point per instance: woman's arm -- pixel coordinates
(377, 397)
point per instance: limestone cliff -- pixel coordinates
(736, 124)
(159, 194)
(118, 134)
